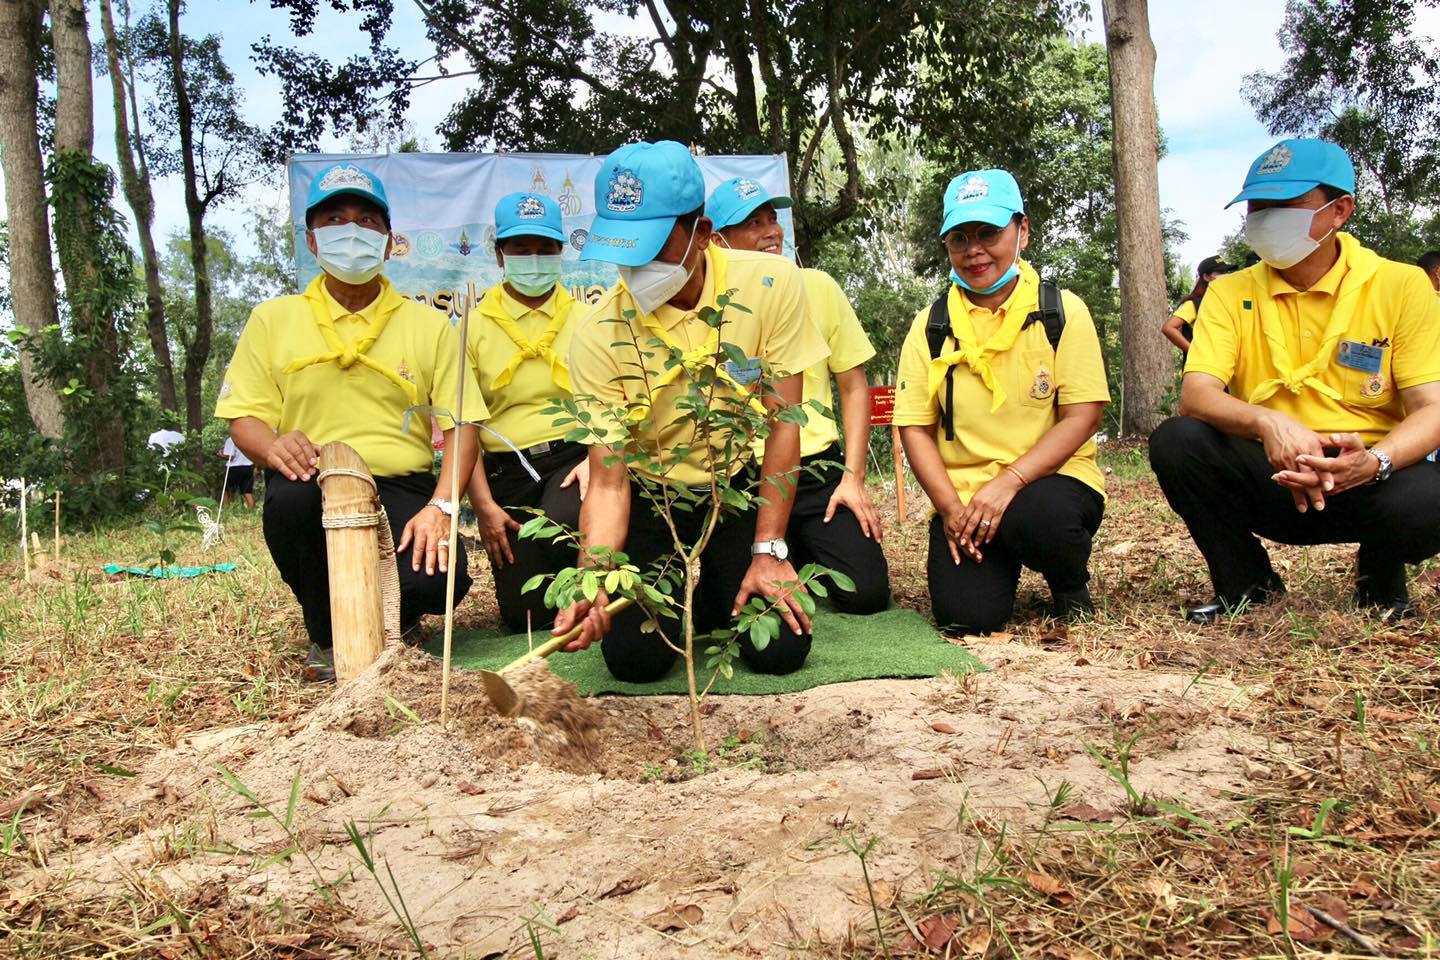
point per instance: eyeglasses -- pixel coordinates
(958, 241)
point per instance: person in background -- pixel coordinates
(239, 474)
(1001, 388)
(343, 361)
(832, 522)
(1430, 262)
(519, 338)
(1311, 397)
(1179, 329)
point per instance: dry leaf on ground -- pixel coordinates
(677, 916)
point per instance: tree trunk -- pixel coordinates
(1143, 301)
(32, 279)
(78, 242)
(198, 352)
(135, 179)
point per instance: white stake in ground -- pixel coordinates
(457, 421)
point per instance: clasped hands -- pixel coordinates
(1301, 465)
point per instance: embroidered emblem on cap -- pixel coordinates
(626, 192)
(530, 209)
(747, 189)
(1275, 161)
(976, 188)
(347, 176)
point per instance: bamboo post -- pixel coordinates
(456, 492)
(352, 546)
(57, 526)
(24, 532)
(899, 457)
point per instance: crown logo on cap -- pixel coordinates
(1275, 161)
(349, 176)
(625, 193)
(975, 188)
(530, 208)
(747, 189)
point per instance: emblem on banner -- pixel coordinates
(625, 193)
(578, 238)
(976, 188)
(348, 176)
(530, 208)
(570, 204)
(1275, 161)
(402, 246)
(537, 183)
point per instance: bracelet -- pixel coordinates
(1018, 475)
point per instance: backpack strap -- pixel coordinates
(937, 331)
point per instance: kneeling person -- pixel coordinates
(650, 223)
(519, 336)
(342, 362)
(1001, 388)
(1311, 396)
(832, 523)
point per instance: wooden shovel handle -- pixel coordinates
(555, 643)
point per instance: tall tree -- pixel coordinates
(80, 193)
(135, 179)
(1148, 366)
(32, 277)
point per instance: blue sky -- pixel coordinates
(1201, 60)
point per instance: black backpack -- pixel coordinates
(937, 330)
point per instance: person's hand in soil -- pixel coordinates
(593, 617)
(763, 579)
(495, 524)
(293, 455)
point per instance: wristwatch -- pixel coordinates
(1386, 467)
(446, 507)
(778, 549)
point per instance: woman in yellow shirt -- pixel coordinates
(998, 418)
(1179, 329)
(519, 338)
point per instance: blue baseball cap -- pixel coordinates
(981, 196)
(1294, 167)
(639, 192)
(737, 198)
(346, 177)
(528, 215)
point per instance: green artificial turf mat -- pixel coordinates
(894, 643)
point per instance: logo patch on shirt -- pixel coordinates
(530, 209)
(1275, 161)
(747, 189)
(1043, 386)
(975, 188)
(402, 369)
(1374, 386)
(625, 193)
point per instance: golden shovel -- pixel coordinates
(510, 702)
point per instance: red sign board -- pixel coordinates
(882, 406)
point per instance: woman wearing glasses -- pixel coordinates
(1001, 388)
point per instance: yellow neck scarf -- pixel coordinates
(1360, 265)
(542, 349)
(977, 355)
(347, 356)
(698, 358)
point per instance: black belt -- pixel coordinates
(551, 449)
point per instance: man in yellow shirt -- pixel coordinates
(1430, 262)
(519, 338)
(1311, 396)
(832, 523)
(998, 414)
(650, 222)
(343, 361)
(1180, 328)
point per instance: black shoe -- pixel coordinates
(319, 665)
(1218, 607)
(1391, 610)
(1073, 604)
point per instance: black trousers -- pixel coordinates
(642, 657)
(513, 488)
(840, 544)
(297, 545)
(1220, 485)
(1048, 527)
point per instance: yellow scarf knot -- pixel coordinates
(347, 355)
(526, 349)
(970, 351)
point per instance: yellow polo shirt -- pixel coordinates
(1395, 310)
(1031, 374)
(356, 405)
(605, 365)
(849, 348)
(515, 407)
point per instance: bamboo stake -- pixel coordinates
(357, 615)
(57, 526)
(458, 416)
(24, 532)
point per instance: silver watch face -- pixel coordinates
(780, 549)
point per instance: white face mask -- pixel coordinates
(349, 252)
(1281, 235)
(654, 283)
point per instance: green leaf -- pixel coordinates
(841, 580)
(294, 798)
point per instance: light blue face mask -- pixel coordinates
(1005, 277)
(350, 253)
(534, 274)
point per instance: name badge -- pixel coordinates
(744, 373)
(1359, 356)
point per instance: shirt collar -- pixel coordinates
(1327, 284)
(517, 310)
(338, 312)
